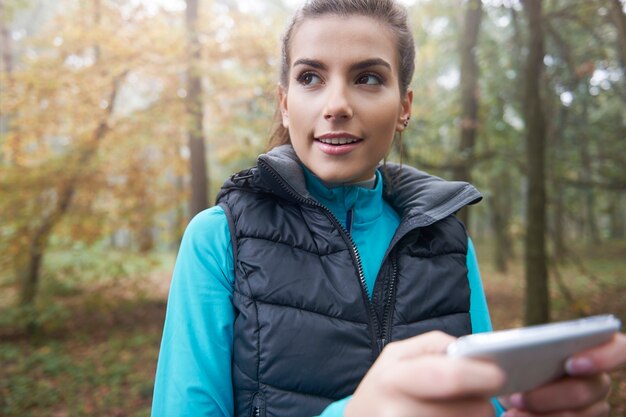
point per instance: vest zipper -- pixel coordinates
(258, 404)
(376, 329)
(391, 296)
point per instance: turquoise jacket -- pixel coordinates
(193, 375)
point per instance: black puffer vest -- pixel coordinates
(306, 332)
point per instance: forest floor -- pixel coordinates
(96, 349)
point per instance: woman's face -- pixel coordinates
(343, 104)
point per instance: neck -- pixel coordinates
(369, 183)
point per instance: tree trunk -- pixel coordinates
(501, 212)
(592, 234)
(65, 193)
(517, 54)
(180, 219)
(7, 47)
(589, 203)
(560, 121)
(619, 20)
(617, 216)
(503, 193)
(537, 305)
(194, 104)
(469, 95)
(6, 42)
(39, 243)
(97, 17)
(145, 239)
(559, 207)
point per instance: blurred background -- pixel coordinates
(120, 119)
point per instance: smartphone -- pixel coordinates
(535, 355)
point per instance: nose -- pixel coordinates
(338, 105)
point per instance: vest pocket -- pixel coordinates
(258, 405)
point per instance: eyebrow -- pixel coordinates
(367, 63)
(370, 63)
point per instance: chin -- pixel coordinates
(339, 172)
(337, 177)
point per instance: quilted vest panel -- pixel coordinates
(305, 333)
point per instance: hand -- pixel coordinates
(582, 393)
(414, 378)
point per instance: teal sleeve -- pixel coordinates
(336, 409)
(193, 376)
(497, 407)
(479, 312)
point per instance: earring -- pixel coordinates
(406, 121)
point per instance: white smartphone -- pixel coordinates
(535, 355)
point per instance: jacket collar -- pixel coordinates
(411, 192)
(366, 204)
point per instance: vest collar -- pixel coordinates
(418, 194)
(412, 193)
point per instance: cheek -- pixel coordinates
(299, 114)
(383, 120)
(381, 113)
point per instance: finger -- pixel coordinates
(601, 409)
(600, 359)
(441, 377)
(566, 394)
(461, 408)
(434, 342)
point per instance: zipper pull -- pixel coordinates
(381, 344)
(242, 176)
(258, 405)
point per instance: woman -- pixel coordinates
(303, 291)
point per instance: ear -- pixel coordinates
(282, 102)
(405, 111)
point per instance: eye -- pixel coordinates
(369, 79)
(309, 78)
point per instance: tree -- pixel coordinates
(469, 95)
(64, 195)
(537, 307)
(582, 86)
(619, 20)
(67, 104)
(195, 112)
(64, 192)
(501, 127)
(96, 145)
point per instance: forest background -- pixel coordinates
(120, 119)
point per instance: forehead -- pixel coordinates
(337, 39)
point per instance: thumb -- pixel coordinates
(599, 359)
(429, 343)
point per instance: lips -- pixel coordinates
(338, 143)
(338, 138)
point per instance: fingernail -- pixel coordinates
(575, 366)
(516, 400)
